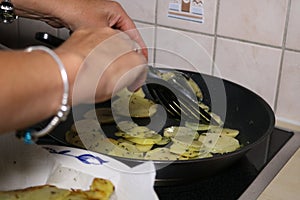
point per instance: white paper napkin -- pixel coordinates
(24, 165)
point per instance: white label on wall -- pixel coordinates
(190, 10)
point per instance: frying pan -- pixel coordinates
(245, 111)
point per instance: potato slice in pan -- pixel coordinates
(187, 152)
(112, 147)
(146, 141)
(144, 147)
(219, 143)
(203, 155)
(164, 140)
(135, 134)
(73, 138)
(135, 106)
(187, 142)
(126, 125)
(86, 126)
(199, 127)
(225, 131)
(129, 147)
(195, 88)
(182, 151)
(126, 93)
(226, 144)
(103, 115)
(179, 131)
(121, 152)
(160, 154)
(203, 106)
(140, 147)
(190, 82)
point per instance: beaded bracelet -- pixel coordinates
(31, 135)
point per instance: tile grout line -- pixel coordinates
(155, 32)
(222, 36)
(283, 49)
(215, 38)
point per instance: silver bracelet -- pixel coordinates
(7, 12)
(31, 135)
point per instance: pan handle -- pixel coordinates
(48, 39)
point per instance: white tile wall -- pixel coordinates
(184, 50)
(255, 20)
(148, 34)
(140, 10)
(206, 27)
(293, 34)
(253, 66)
(288, 107)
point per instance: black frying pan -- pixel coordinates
(246, 111)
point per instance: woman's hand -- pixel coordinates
(101, 61)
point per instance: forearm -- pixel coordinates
(69, 13)
(31, 89)
(35, 8)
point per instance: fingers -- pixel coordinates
(124, 23)
(109, 62)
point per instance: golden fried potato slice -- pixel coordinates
(100, 189)
(140, 147)
(146, 141)
(164, 140)
(160, 154)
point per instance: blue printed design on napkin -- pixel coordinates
(84, 158)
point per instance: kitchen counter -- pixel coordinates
(261, 185)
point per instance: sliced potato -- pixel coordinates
(103, 115)
(144, 147)
(200, 127)
(218, 143)
(126, 125)
(160, 154)
(129, 147)
(195, 88)
(226, 144)
(140, 147)
(73, 138)
(225, 131)
(146, 141)
(187, 142)
(121, 152)
(86, 126)
(163, 141)
(179, 131)
(135, 106)
(183, 151)
(137, 132)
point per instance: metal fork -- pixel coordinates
(176, 96)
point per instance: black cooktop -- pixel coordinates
(233, 181)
